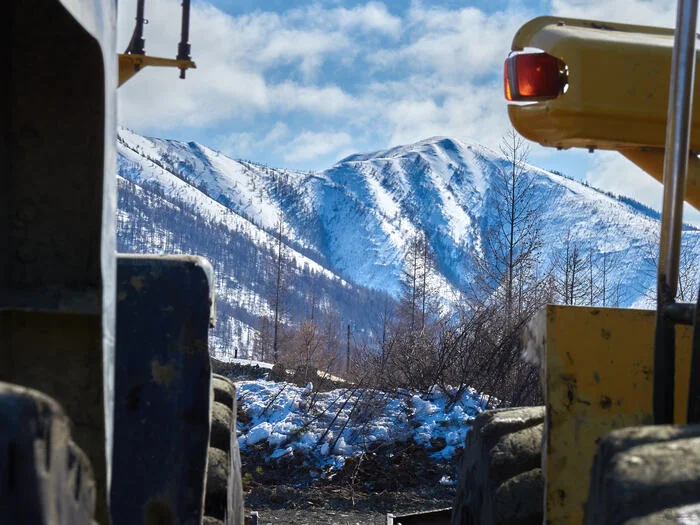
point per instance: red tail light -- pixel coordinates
(533, 76)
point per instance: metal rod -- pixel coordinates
(183, 48)
(675, 166)
(681, 313)
(137, 45)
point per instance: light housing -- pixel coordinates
(533, 76)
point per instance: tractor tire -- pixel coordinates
(45, 478)
(221, 425)
(224, 390)
(675, 516)
(500, 478)
(645, 475)
(218, 472)
(224, 494)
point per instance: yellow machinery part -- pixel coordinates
(651, 160)
(617, 95)
(597, 368)
(130, 64)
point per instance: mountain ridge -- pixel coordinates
(353, 221)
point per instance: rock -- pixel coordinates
(303, 374)
(278, 373)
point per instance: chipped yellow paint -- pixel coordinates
(163, 374)
(597, 365)
(617, 96)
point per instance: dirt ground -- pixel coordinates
(330, 505)
(319, 517)
(399, 478)
(360, 494)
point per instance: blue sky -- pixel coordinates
(301, 84)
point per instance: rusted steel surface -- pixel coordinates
(162, 397)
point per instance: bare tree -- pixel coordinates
(417, 299)
(571, 273)
(510, 285)
(262, 342)
(688, 267)
(277, 305)
(511, 247)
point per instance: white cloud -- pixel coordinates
(368, 18)
(310, 145)
(280, 131)
(236, 145)
(615, 173)
(436, 71)
(293, 147)
(456, 44)
(643, 12)
(322, 100)
(286, 45)
(612, 172)
(372, 17)
(233, 56)
(242, 145)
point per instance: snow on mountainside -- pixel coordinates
(161, 212)
(348, 227)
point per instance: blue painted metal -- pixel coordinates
(162, 395)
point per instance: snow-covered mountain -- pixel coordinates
(346, 230)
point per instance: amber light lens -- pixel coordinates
(506, 81)
(533, 76)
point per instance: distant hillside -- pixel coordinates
(346, 231)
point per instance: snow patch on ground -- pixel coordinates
(325, 428)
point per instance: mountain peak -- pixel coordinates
(439, 146)
(356, 218)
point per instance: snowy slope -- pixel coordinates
(444, 187)
(161, 213)
(351, 223)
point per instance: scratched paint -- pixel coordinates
(163, 374)
(597, 367)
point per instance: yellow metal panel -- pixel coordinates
(129, 64)
(651, 160)
(618, 85)
(597, 365)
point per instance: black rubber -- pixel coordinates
(218, 471)
(500, 479)
(45, 479)
(224, 390)
(221, 424)
(676, 516)
(224, 502)
(645, 475)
